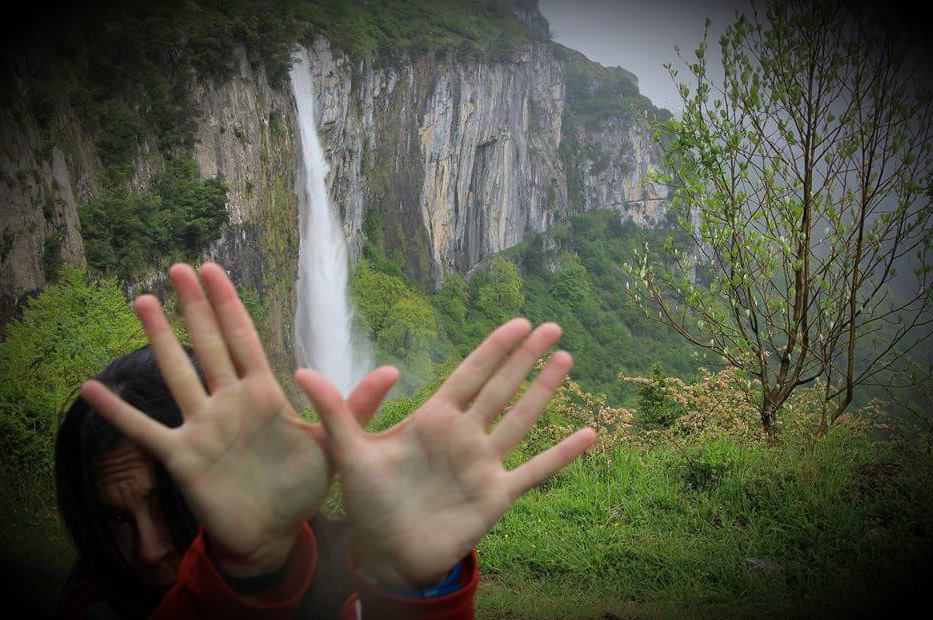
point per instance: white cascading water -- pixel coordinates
(324, 318)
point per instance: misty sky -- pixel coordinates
(639, 35)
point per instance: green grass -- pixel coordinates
(847, 522)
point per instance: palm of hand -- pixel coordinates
(249, 467)
(251, 470)
(420, 495)
(424, 492)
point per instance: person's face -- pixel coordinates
(126, 487)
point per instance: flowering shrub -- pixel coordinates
(573, 408)
(721, 404)
(717, 406)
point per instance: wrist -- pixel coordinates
(450, 583)
(267, 559)
(393, 579)
(384, 571)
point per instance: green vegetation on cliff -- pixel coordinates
(485, 30)
(126, 233)
(587, 294)
(595, 93)
(571, 274)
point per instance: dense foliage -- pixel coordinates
(578, 283)
(587, 294)
(398, 319)
(128, 232)
(66, 334)
(383, 31)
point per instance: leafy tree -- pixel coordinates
(66, 334)
(572, 284)
(452, 302)
(655, 407)
(399, 319)
(194, 209)
(127, 232)
(121, 233)
(800, 179)
(501, 298)
(410, 326)
(120, 131)
(374, 294)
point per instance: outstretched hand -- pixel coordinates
(250, 468)
(420, 495)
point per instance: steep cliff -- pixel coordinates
(461, 157)
(247, 134)
(44, 175)
(466, 159)
(244, 134)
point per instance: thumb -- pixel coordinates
(342, 429)
(369, 393)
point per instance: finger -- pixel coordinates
(342, 428)
(517, 422)
(499, 390)
(544, 465)
(463, 384)
(176, 367)
(202, 326)
(238, 330)
(369, 393)
(136, 425)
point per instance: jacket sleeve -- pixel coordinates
(201, 591)
(372, 603)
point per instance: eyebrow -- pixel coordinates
(104, 497)
(108, 465)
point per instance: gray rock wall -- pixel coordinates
(462, 159)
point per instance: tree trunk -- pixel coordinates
(767, 411)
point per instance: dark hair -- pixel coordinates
(82, 437)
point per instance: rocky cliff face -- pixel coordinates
(615, 160)
(462, 159)
(245, 134)
(39, 193)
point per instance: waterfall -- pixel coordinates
(324, 317)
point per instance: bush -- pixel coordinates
(400, 320)
(121, 128)
(656, 409)
(128, 233)
(66, 334)
(500, 297)
(374, 295)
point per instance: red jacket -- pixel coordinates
(202, 592)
